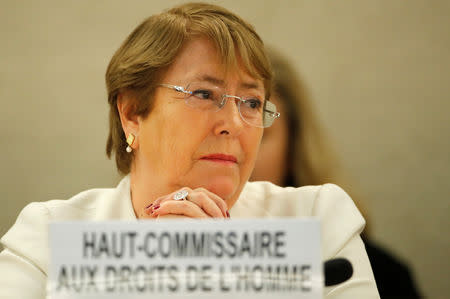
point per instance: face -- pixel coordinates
(180, 146)
(271, 163)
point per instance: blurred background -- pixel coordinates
(378, 72)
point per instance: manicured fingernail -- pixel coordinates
(156, 207)
(149, 206)
(228, 214)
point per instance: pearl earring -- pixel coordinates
(130, 140)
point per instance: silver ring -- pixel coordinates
(181, 195)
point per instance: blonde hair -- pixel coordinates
(154, 45)
(314, 160)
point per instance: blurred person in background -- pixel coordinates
(295, 152)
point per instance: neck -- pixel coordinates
(144, 190)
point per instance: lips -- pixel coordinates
(220, 158)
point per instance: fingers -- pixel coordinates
(206, 203)
(182, 208)
(217, 200)
(211, 204)
(167, 197)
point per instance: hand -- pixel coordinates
(200, 203)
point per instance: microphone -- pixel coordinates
(337, 271)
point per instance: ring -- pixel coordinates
(180, 195)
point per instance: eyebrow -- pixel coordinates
(220, 82)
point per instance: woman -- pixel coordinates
(294, 152)
(188, 94)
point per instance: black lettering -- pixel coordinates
(197, 247)
(164, 239)
(223, 278)
(140, 277)
(283, 276)
(258, 276)
(151, 278)
(180, 244)
(173, 277)
(91, 271)
(110, 278)
(63, 281)
(242, 283)
(103, 245)
(291, 280)
(117, 250)
(206, 278)
(265, 244)
(245, 245)
(218, 239)
(77, 278)
(191, 278)
(161, 277)
(147, 244)
(270, 278)
(306, 283)
(231, 240)
(279, 244)
(89, 244)
(125, 278)
(132, 237)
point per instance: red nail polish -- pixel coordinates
(156, 207)
(228, 214)
(148, 206)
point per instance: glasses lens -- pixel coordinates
(204, 96)
(270, 113)
(251, 109)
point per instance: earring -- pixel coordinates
(130, 140)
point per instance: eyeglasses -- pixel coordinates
(208, 97)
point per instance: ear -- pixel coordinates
(126, 105)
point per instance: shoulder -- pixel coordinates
(29, 234)
(264, 199)
(339, 217)
(28, 237)
(290, 201)
(80, 206)
(92, 204)
(77, 207)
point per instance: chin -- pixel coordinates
(223, 187)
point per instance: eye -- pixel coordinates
(254, 104)
(203, 94)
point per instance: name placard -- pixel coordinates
(252, 258)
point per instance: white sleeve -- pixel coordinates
(20, 279)
(342, 224)
(23, 262)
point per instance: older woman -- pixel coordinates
(188, 94)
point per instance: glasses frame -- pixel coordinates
(271, 114)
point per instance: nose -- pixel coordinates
(229, 121)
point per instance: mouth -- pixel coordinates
(220, 158)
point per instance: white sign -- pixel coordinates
(257, 258)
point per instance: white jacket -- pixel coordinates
(25, 258)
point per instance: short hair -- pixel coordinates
(153, 46)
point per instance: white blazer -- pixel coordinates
(25, 258)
